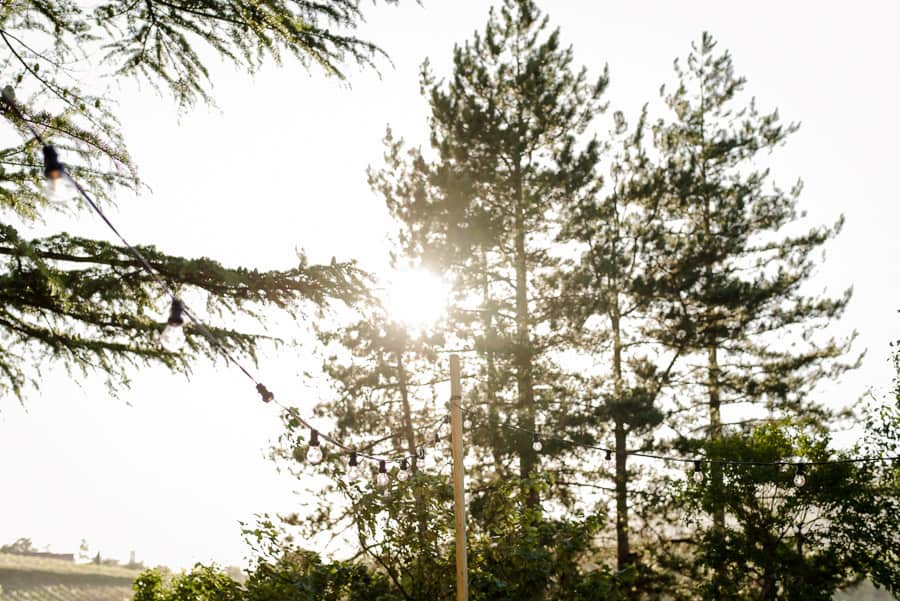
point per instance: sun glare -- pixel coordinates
(416, 298)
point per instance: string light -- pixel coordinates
(54, 171)
(666, 458)
(172, 337)
(382, 479)
(57, 175)
(403, 474)
(698, 472)
(314, 453)
(353, 470)
(264, 393)
(444, 429)
(536, 443)
(800, 476)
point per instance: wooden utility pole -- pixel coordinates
(459, 489)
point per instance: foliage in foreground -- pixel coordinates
(530, 559)
(86, 305)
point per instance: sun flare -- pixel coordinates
(416, 298)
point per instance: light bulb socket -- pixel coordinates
(800, 476)
(313, 437)
(404, 464)
(420, 453)
(382, 466)
(176, 313)
(609, 454)
(354, 461)
(267, 396)
(698, 466)
(53, 168)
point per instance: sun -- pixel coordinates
(417, 298)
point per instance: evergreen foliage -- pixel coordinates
(85, 304)
(662, 307)
(731, 264)
(509, 149)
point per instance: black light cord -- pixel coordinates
(537, 435)
(158, 277)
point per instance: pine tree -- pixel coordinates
(381, 399)
(85, 303)
(509, 150)
(606, 305)
(732, 264)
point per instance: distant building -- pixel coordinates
(44, 555)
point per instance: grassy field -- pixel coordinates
(38, 579)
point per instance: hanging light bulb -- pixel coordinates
(314, 453)
(403, 474)
(698, 472)
(56, 187)
(444, 430)
(353, 469)
(172, 337)
(800, 477)
(467, 423)
(536, 443)
(382, 478)
(264, 392)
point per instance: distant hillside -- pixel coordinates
(41, 579)
(864, 592)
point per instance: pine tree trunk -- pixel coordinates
(490, 336)
(408, 430)
(410, 434)
(715, 402)
(527, 456)
(623, 549)
(715, 433)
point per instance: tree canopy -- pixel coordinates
(87, 304)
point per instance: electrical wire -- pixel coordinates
(538, 435)
(158, 278)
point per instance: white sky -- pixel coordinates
(169, 469)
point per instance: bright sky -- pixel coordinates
(171, 467)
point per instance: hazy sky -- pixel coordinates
(171, 467)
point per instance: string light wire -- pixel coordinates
(537, 436)
(267, 396)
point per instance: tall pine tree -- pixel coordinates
(509, 151)
(606, 304)
(731, 268)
